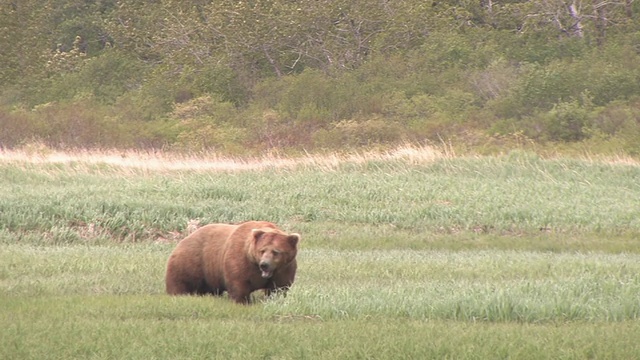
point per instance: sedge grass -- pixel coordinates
(189, 328)
(469, 286)
(421, 285)
(518, 196)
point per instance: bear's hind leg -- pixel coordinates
(178, 288)
(178, 285)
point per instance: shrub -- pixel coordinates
(494, 81)
(360, 132)
(616, 116)
(311, 89)
(207, 122)
(567, 121)
(270, 130)
(17, 127)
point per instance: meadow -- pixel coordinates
(412, 253)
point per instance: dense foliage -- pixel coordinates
(248, 76)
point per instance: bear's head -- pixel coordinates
(273, 249)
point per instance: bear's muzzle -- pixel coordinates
(266, 269)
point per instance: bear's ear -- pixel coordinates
(257, 233)
(293, 239)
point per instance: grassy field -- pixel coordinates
(407, 254)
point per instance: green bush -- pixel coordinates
(616, 117)
(359, 132)
(81, 123)
(207, 123)
(269, 130)
(218, 80)
(17, 127)
(567, 121)
(109, 76)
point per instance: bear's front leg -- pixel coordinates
(240, 294)
(276, 290)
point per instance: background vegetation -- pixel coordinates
(244, 77)
(408, 254)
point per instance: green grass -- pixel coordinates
(518, 201)
(143, 327)
(107, 302)
(501, 257)
(422, 285)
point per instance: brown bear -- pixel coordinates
(238, 259)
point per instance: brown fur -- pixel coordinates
(238, 259)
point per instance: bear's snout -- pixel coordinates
(266, 269)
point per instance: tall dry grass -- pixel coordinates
(163, 161)
(157, 160)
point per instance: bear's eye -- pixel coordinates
(276, 252)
